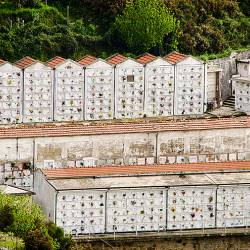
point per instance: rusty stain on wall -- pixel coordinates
(77, 152)
(207, 145)
(233, 144)
(194, 145)
(141, 149)
(49, 151)
(110, 150)
(172, 146)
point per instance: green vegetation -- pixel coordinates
(145, 24)
(73, 28)
(24, 219)
(9, 241)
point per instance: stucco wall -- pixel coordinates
(137, 148)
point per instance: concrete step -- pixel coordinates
(230, 102)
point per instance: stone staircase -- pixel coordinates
(230, 102)
(227, 109)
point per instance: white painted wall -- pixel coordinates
(11, 94)
(242, 96)
(38, 93)
(145, 209)
(191, 207)
(99, 91)
(129, 89)
(233, 206)
(136, 210)
(69, 91)
(159, 88)
(81, 212)
(190, 87)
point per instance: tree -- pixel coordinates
(144, 24)
(25, 220)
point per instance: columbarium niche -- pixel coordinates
(159, 88)
(233, 206)
(10, 93)
(191, 207)
(136, 210)
(129, 89)
(99, 91)
(190, 87)
(81, 212)
(69, 91)
(38, 93)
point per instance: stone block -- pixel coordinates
(180, 159)
(119, 161)
(79, 164)
(202, 158)
(223, 157)
(150, 160)
(110, 162)
(132, 161)
(171, 159)
(141, 161)
(241, 156)
(248, 156)
(193, 158)
(71, 164)
(101, 162)
(210, 158)
(162, 160)
(232, 157)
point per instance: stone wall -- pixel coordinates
(228, 64)
(232, 242)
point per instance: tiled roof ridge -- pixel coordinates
(119, 170)
(145, 58)
(175, 57)
(86, 60)
(25, 62)
(120, 128)
(53, 62)
(2, 62)
(116, 59)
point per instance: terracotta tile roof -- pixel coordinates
(146, 169)
(2, 61)
(116, 59)
(25, 62)
(55, 61)
(145, 58)
(87, 60)
(175, 57)
(50, 130)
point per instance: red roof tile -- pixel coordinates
(116, 59)
(87, 60)
(49, 130)
(146, 169)
(55, 61)
(25, 62)
(175, 57)
(2, 61)
(145, 58)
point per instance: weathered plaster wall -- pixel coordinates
(228, 64)
(137, 148)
